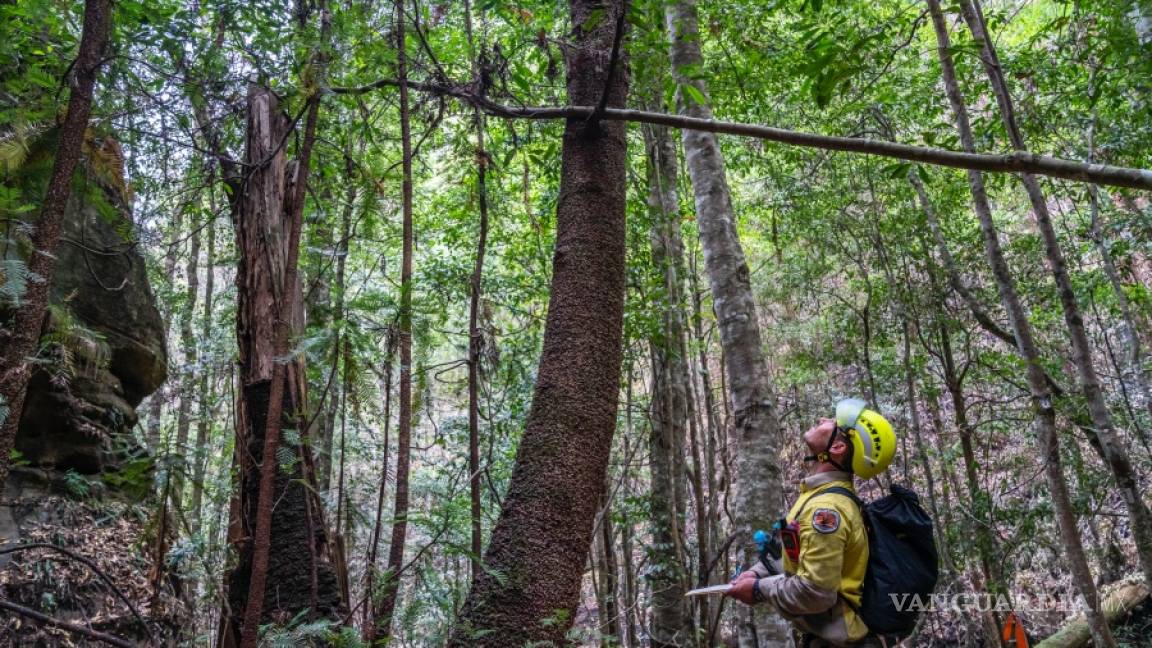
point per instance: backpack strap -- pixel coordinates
(840, 490)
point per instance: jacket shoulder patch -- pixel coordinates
(826, 520)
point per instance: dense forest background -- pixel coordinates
(528, 375)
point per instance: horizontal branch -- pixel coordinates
(1015, 162)
(91, 565)
(64, 625)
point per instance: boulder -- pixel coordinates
(108, 349)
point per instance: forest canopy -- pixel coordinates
(493, 323)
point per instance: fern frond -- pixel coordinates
(16, 145)
(14, 277)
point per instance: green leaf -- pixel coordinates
(595, 17)
(694, 93)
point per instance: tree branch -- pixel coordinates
(91, 565)
(64, 625)
(1015, 162)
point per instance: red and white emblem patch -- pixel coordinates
(826, 520)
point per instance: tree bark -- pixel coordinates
(1045, 423)
(540, 544)
(1113, 451)
(758, 500)
(19, 342)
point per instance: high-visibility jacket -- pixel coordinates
(821, 588)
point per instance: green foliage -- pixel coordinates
(77, 485)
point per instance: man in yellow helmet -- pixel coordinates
(825, 544)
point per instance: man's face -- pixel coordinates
(816, 438)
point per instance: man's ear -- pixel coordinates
(840, 446)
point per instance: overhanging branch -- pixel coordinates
(1015, 162)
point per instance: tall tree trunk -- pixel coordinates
(382, 617)
(1049, 451)
(758, 500)
(207, 376)
(280, 543)
(1113, 451)
(609, 610)
(190, 370)
(475, 335)
(18, 343)
(540, 543)
(369, 627)
(987, 550)
(671, 624)
(630, 637)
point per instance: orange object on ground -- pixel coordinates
(1013, 632)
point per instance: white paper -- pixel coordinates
(715, 589)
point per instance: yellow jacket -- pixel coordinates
(830, 570)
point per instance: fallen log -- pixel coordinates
(1119, 601)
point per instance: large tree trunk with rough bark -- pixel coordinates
(758, 498)
(296, 558)
(18, 342)
(670, 411)
(1045, 423)
(1082, 357)
(540, 544)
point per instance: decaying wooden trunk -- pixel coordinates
(299, 575)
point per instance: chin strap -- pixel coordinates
(826, 457)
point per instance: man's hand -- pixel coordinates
(747, 573)
(744, 588)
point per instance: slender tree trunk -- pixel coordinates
(609, 610)
(671, 623)
(540, 544)
(631, 596)
(207, 376)
(190, 369)
(382, 616)
(1130, 331)
(1045, 423)
(758, 499)
(1115, 455)
(369, 628)
(19, 342)
(475, 335)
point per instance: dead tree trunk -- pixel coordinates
(19, 341)
(280, 543)
(1112, 450)
(1038, 386)
(758, 500)
(539, 547)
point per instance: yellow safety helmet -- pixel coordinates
(873, 441)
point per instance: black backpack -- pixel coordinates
(902, 560)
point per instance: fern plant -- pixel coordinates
(70, 347)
